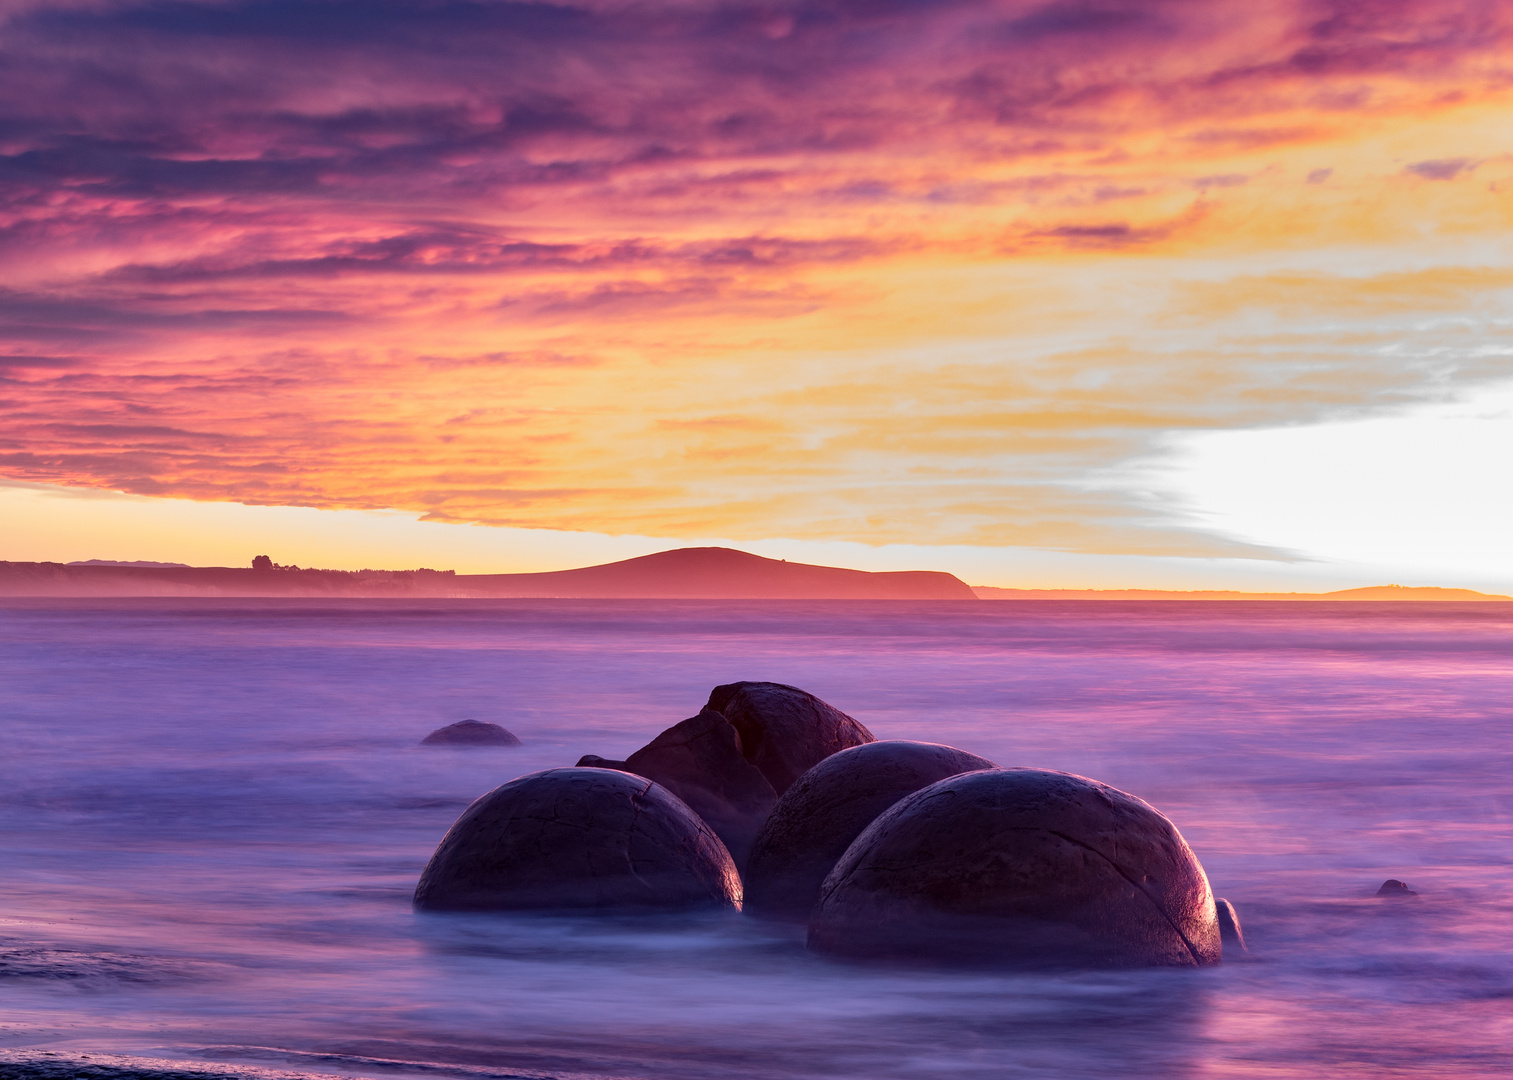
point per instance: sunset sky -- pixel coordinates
(1158, 293)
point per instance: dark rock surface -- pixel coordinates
(785, 731)
(1395, 888)
(470, 733)
(827, 808)
(593, 839)
(1019, 867)
(699, 760)
(1230, 934)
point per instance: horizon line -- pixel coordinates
(1370, 593)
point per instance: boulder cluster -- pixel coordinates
(771, 799)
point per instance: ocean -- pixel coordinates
(213, 814)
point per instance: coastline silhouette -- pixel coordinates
(698, 573)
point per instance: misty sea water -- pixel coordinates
(213, 813)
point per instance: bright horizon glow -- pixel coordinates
(68, 524)
(1426, 491)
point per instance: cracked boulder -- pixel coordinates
(578, 839)
(819, 816)
(1019, 867)
(784, 731)
(744, 749)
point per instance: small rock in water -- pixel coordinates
(470, 733)
(828, 807)
(1229, 926)
(576, 839)
(594, 761)
(1394, 887)
(1019, 867)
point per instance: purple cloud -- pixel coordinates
(1440, 168)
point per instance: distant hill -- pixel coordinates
(685, 573)
(1411, 592)
(722, 573)
(119, 562)
(1371, 592)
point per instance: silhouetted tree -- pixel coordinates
(262, 562)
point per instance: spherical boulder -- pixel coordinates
(1019, 867)
(470, 733)
(576, 839)
(828, 807)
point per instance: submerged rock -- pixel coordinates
(785, 731)
(1019, 867)
(827, 808)
(574, 839)
(470, 733)
(1230, 934)
(1392, 887)
(700, 761)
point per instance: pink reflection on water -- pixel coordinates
(213, 815)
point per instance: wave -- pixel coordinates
(36, 1064)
